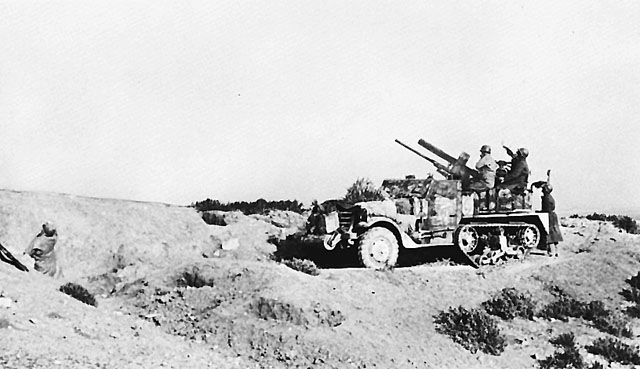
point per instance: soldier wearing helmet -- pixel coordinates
(518, 175)
(486, 167)
(548, 205)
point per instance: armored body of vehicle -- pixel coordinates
(486, 226)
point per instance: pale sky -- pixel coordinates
(178, 101)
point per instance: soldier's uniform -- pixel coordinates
(42, 250)
(486, 167)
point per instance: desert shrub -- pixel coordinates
(193, 278)
(565, 306)
(363, 190)
(634, 281)
(574, 216)
(633, 311)
(214, 217)
(601, 318)
(595, 365)
(564, 340)
(613, 349)
(509, 303)
(473, 329)
(593, 310)
(302, 265)
(259, 206)
(79, 293)
(602, 217)
(273, 309)
(626, 223)
(605, 320)
(631, 295)
(614, 324)
(566, 355)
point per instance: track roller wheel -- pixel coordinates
(529, 236)
(466, 237)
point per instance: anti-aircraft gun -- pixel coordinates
(484, 226)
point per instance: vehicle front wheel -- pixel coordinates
(378, 248)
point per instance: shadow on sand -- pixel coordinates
(314, 250)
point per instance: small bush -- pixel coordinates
(563, 307)
(627, 224)
(605, 320)
(594, 310)
(632, 294)
(363, 190)
(473, 329)
(509, 303)
(193, 278)
(564, 340)
(633, 311)
(602, 319)
(614, 324)
(566, 356)
(634, 281)
(302, 265)
(79, 293)
(613, 349)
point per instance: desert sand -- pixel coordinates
(175, 292)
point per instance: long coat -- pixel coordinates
(41, 249)
(549, 206)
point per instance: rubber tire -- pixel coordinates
(379, 242)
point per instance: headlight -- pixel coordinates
(363, 215)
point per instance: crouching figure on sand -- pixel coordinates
(42, 250)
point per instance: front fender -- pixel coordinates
(403, 239)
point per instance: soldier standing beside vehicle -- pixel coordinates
(42, 250)
(549, 206)
(486, 167)
(518, 175)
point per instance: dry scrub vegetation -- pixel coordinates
(173, 291)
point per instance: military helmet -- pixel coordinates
(486, 148)
(523, 152)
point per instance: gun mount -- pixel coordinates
(459, 168)
(440, 168)
(455, 168)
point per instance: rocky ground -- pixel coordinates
(175, 292)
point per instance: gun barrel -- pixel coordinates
(450, 159)
(458, 166)
(441, 168)
(414, 151)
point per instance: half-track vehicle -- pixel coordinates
(486, 227)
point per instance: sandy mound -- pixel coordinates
(176, 291)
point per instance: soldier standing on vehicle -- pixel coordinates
(486, 167)
(41, 249)
(549, 206)
(518, 175)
